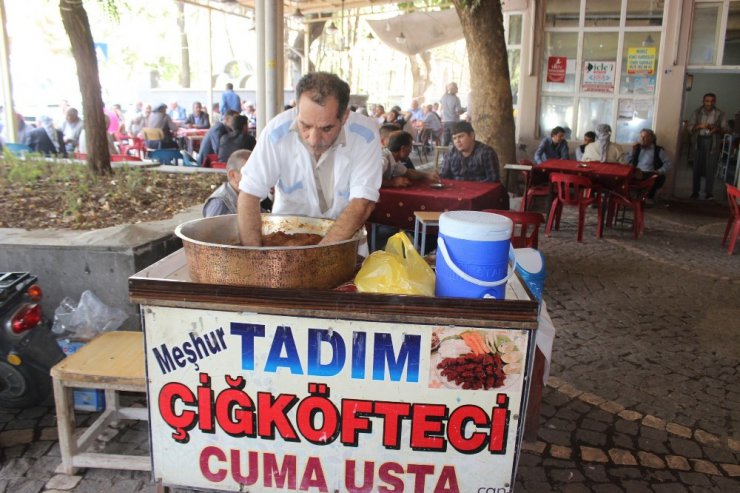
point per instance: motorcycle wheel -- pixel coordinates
(19, 388)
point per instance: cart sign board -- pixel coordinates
(598, 76)
(641, 61)
(267, 403)
(556, 67)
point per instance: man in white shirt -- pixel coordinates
(322, 159)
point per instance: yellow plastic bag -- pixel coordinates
(397, 270)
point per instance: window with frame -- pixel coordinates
(600, 66)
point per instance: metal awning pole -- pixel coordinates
(10, 121)
(274, 65)
(209, 60)
(259, 13)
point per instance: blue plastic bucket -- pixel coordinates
(472, 255)
(530, 264)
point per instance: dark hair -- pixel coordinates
(651, 133)
(709, 94)
(399, 139)
(238, 123)
(557, 130)
(461, 127)
(396, 108)
(229, 85)
(590, 134)
(321, 85)
(387, 129)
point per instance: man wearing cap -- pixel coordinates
(323, 160)
(469, 159)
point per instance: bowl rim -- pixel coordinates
(359, 235)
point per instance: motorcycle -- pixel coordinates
(28, 349)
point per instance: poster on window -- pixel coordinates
(598, 76)
(556, 68)
(641, 61)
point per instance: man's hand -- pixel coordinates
(400, 182)
(249, 220)
(349, 221)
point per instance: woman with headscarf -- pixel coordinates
(603, 150)
(47, 139)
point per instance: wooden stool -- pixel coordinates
(113, 361)
(424, 219)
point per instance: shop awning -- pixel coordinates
(418, 31)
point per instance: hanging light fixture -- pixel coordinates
(370, 36)
(400, 39)
(297, 14)
(648, 41)
(332, 28)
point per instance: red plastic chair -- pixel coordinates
(577, 191)
(115, 158)
(634, 199)
(217, 165)
(536, 182)
(528, 223)
(132, 144)
(733, 223)
(209, 160)
(80, 155)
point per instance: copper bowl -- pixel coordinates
(214, 255)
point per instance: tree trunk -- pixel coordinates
(184, 48)
(493, 116)
(77, 26)
(421, 79)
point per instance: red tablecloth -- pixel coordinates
(609, 175)
(396, 206)
(183, 132)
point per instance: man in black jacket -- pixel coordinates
(238, 138)
(212, 138)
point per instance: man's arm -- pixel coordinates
(249, 219)
(349, 221)
(492, 169)
(539, 154)
(666, 162)
(564, 151)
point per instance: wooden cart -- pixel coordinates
(299, 390)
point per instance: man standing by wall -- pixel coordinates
(709, 124)
(451, 110)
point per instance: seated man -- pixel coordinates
(603, 150)
(588, 137)
(223, 199)
(71, 129)
(430, 127)
(395, 173)
(650, 159)
(469, 159)
(209, 144)
(238, 138)
(553, 147)
(159, 119)
(47, 139)
(177, 113)
(198, 118)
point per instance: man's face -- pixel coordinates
(197, 108)
(173, 105)
(72, 116)
(557, 137)
(646, 139)
(404, 152)
(148, 110)
(414, 104)
(319, 125)
(709, 102)
(587, 139)
(464, 141)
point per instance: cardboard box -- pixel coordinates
(84, 399)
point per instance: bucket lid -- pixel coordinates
(529, 260)
(475, 225)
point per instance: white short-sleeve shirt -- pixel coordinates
(280, 159)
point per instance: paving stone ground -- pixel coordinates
(644, 393)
